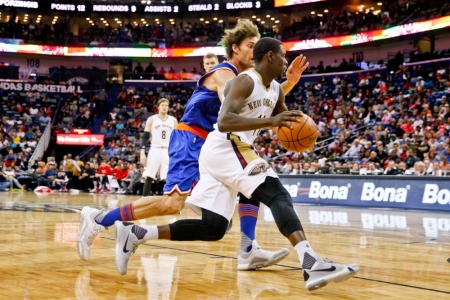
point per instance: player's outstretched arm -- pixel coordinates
(294, 73)
(236, 91)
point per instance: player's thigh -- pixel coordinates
(164, 164)
(153, 163)
(213, 195)
(184, 151)
(235, 163)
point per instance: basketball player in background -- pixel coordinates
(184, 150)
(253, 100)
(159, 127)
(209, 61)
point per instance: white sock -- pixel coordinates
(306, 254)
(152, 232)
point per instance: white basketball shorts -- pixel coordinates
(227, 166)
(157, 160)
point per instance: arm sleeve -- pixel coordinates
(145, 137)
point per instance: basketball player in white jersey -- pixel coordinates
(229, 164)
(159, 126)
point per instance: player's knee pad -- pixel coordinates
(215, 225)
(273, 194)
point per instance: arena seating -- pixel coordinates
(162, 35)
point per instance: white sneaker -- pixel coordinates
(88, 231)
(258, 258)
(126, 244)
(324, 271)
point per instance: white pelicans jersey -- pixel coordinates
(259, 104)
(161, 130)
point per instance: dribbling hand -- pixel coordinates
(284, 118)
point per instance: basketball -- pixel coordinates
(301, 137)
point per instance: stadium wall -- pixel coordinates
(407, 192)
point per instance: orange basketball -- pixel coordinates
(301, 137)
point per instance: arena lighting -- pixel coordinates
(279, 3)
(337, 41)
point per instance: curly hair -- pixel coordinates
(243, 29)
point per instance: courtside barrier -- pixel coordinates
(408, 192)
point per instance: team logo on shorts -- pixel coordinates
(259, 168)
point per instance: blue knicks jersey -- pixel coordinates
(202, 109)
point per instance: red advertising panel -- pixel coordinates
(80, 140)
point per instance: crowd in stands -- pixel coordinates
(370, 122)
(188, 33)
(134, 106)
(373, 124)
(103, 172)
(78, 111)
(347, 22)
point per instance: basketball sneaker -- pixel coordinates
(258, 258)
(325, 271)
(128, 238)
(88, 231)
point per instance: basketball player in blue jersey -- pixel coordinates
(209, 61)
(184, 150)
(253, 100)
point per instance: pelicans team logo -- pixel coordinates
(259, 168)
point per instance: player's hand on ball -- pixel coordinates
(284, 118)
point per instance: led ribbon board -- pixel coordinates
(281, 3)
(328, 42)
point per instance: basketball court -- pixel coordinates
(402, 254)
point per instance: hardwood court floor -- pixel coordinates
(403, 255)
